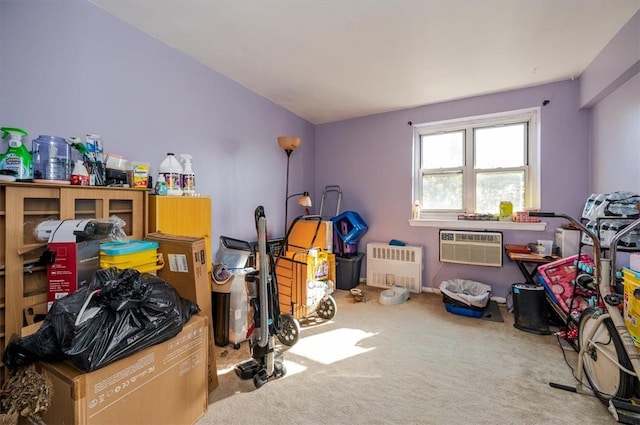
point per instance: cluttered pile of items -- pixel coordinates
(117, 325)
(59, 160)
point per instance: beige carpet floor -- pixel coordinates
(412, 363)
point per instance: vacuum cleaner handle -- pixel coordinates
(259, 212)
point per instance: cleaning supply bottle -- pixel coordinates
(161, 186)
(79, 175)
(171, 170)
(188, 177)
(17, 158)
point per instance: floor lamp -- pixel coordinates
(288, 144)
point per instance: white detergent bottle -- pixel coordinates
(171, 170)
(188, 177)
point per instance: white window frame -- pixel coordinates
(532, 163)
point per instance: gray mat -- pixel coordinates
(492, 312)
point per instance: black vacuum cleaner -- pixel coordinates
(266, 362)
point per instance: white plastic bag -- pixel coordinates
(469, 292)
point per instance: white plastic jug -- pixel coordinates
(171, 170)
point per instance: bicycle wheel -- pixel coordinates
(602, 352)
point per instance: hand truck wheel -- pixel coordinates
(289, 330)
(327, 308)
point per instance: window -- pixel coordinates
(471, 165)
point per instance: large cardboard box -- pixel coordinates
(185, 268)
(162, 384)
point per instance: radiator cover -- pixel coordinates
(389, 265)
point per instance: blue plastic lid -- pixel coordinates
(120, 248)
(349, 226)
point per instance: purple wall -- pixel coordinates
(613, 66)
(616, 140)
(69, 68)
(371, 159)
(612, 84)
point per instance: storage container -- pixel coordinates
(631, 304)
(51, 159)
(349, 226)
(348, 271)
(465, 293)
(139, 255)
(463, 311)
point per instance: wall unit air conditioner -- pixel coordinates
(389, 265)
(469, 247)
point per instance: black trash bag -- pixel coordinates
(121, 312)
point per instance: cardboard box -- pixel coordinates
(185, 268)
(74, 263)
(162, 384)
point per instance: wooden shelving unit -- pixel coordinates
(23, 206)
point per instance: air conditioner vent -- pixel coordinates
(469, 247)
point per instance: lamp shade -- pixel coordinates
(289, 143)
(305, 200)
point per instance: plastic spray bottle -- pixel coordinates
(161, 186)
(79, 175)
(187, 177)
(17, 158)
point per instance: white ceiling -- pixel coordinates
(329, 60)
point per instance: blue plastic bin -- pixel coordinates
(349, 227)
(463, 311)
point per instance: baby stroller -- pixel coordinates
(266, 362)
(305, 278)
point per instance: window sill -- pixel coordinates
(480, 224)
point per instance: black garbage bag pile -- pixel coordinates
(120, 313)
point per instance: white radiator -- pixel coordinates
(389, 265)
(468, 247)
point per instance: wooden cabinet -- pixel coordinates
(182, 215)
(23, 285)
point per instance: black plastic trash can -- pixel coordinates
(348, 271)
(530, 308)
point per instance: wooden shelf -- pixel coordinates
(29, 248)
(40, 213)
(32, 203)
